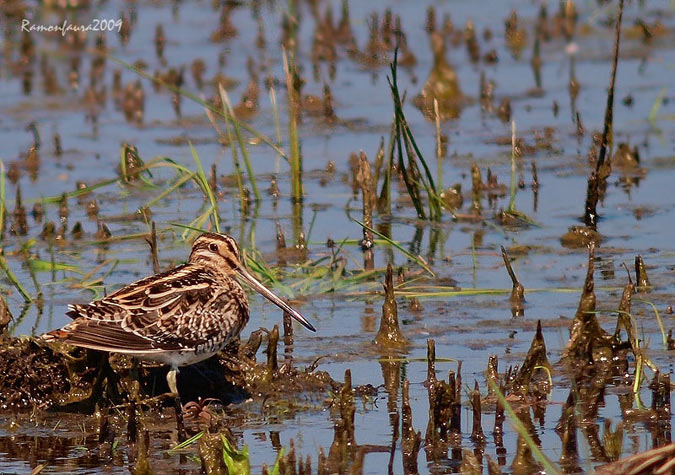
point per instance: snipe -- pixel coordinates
(178, 317)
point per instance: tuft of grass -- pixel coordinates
(412, 151)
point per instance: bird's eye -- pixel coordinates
(213, 247)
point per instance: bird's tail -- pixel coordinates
(54, 335)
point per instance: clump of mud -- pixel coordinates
(54, 375)
(31, 375)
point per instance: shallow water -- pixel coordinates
(635, 220)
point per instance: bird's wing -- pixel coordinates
(104, 336)
(163, 312)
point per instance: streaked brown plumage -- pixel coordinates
(178, 317)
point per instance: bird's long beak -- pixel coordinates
(272, 297)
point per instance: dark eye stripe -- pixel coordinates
(231, 262)
(231, 247)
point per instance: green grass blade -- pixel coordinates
(664, 338)
(295, 160)
(186, 443)
(277, 462)
(277, 123)
(515, 421)
(191, 228)
(155, 162)
(74, 194)
(235, 161)
(512, 190)
(2, 196)
(439, 149)
(180, 182)
(204, 184)
(198, 222)
(39, 265)
(417, 259)
(237, 462)
(656, 106)
(12, 278)
(432, 195)
(409, 185)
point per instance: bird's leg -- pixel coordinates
(171, 379)
(134, 398)
(180, 427)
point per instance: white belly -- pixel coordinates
(178, 358)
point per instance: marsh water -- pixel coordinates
(57, 87)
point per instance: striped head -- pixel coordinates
(220, 254)
(218, 251)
